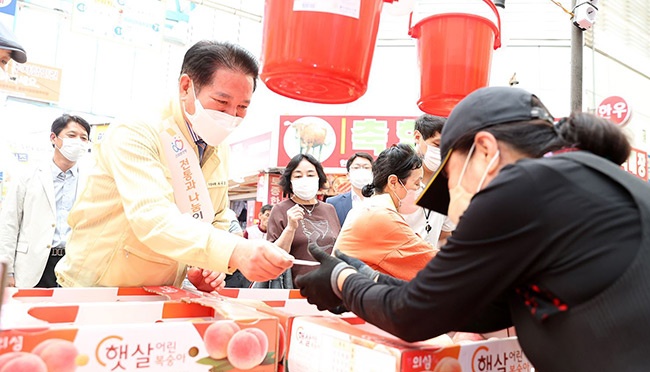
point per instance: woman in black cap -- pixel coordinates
(9, 48)
(553, 237)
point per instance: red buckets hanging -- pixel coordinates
(455, 40)
(319, 51)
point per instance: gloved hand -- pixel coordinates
(319, 286)
(361, 267)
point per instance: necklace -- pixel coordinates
(309, 211)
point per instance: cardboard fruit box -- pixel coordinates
(331, 344)
(81, 295)
(284, 304)
(192, 334)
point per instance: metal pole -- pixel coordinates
(576, 67)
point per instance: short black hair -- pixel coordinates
(364, 155)
(266, 207)
(429, 125)
(399, 160)
(204, 58)
(285, 179)
(62, 121)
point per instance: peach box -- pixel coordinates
(286, 305)
(152, 336)
(331, 344)
(80, 295)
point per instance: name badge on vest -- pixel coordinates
(190, 190)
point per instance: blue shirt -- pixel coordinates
(65, 192)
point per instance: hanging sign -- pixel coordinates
(615, 109)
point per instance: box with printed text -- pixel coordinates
(331, 344)
(187, 333)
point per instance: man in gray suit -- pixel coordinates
(359, 168)
(34, 227)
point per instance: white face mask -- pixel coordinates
(408, 205)
(211, 125)
(360, 177)
(72, 148)
(459, 198)
(432, 158)
(400, 201)
(305, 187)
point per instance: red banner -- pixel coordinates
(333, 139)
(637, 164)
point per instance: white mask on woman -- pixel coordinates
(432, 158)
(211, 125)
(408, 205)
(459, 198)
(72, 148)
(360, 177)
(305, 187)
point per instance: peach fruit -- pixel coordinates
(448, 364)
(20, 361)
(59, 355)
(217, 336)
(247, 348)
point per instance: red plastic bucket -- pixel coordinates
(314, 52)
(455, 40)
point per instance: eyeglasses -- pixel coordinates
(357, 167)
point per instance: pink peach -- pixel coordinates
(448, 364)
(247, 348)
(19, 361)
(217, 336)
(59, 355)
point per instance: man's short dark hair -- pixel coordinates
(266, 207)
(62, 121)
(429, 125)
(364, 155)
(204, 58)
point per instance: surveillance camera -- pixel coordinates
(584, 14)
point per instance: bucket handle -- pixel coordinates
(497, 36)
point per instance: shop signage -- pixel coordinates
(615, 109)
(136, 22)
(275, 190)
(333, 139)
(8, 7)
(637, 164)
(32, 81)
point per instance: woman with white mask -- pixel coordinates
(303, 220)
(376, 232)
(553, 237)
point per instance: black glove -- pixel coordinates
(361, 267)
(319, 286)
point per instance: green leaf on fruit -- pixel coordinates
(218, 365)
(270, 359)
(222, 365)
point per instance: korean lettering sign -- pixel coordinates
(333, 139)
(637, 164)
(615, 109)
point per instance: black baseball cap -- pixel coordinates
(481, 109)
(8, 41)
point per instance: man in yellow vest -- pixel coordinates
(156, 200)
